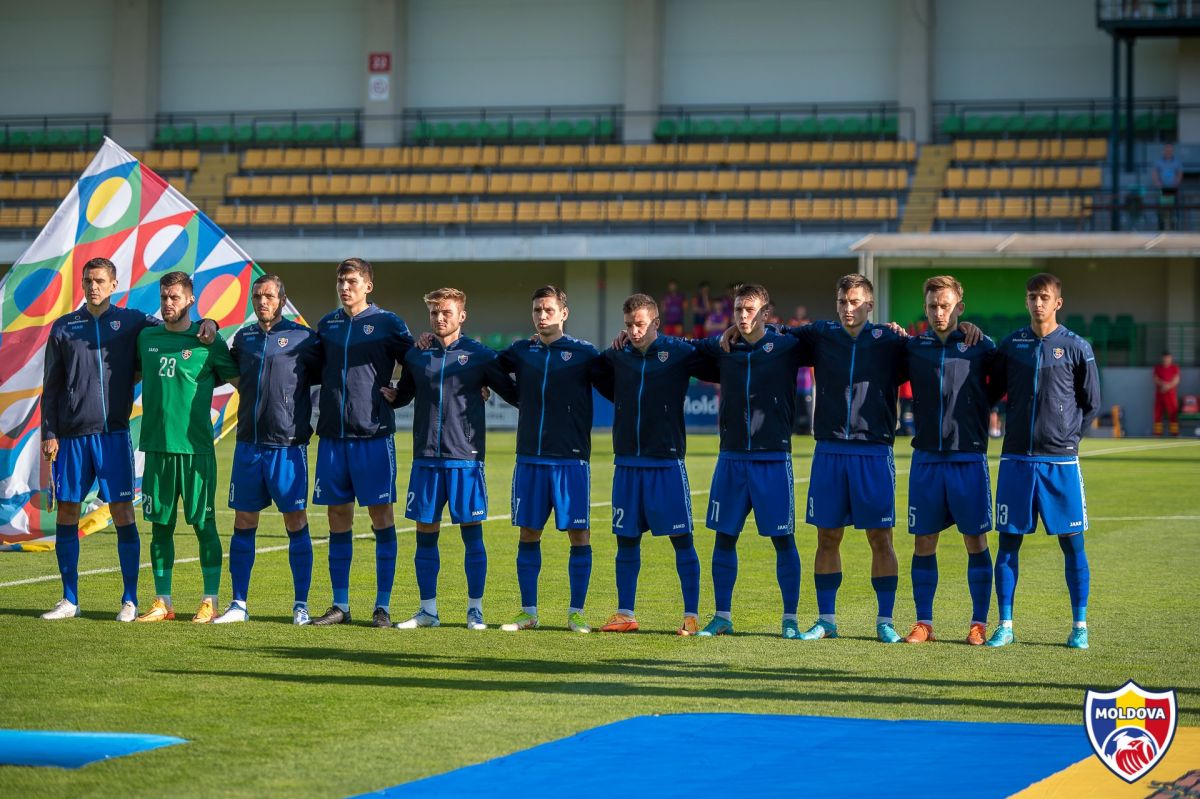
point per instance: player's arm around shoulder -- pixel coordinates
(221, 362)
(497, 378)
(400, 339)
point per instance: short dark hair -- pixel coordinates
(1044, 280)
(855, 281)
(102, 263)
(360, 265)
(636, 302)
(176, 279)
(939, 282)
(752, 290)
(270, 278)
(558, 294)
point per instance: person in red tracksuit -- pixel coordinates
(1166, 398)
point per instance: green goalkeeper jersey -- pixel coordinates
(179, 374)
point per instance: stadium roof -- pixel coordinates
(1046, 245)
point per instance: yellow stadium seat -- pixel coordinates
(975, 179)
(292, 158)
(20, 162)
(1006, 150)
(519, 183)
(415, 184)
(746, 181)
(648, 182)
(1096, 149)
(706, 181)
(334, 157)
(778, 152)
(224, 216)
(825, 209)
(531, 155)
(8, 189)
(810, 179)
(552, 155)
(768, 180)
(450, 156)
(237, 186)
(560, 183)
(312, 158)
(1074, 149)
(1068, 178)
(448, 214)
(572, 155)
(788, 180)
(252, 159)
(1021, 178)
(606, 155)
(539, 183)
(438, 184)
(968, 208)
(998, 179)
(1089, 177)
(546, 212)
(339, 184)
(379, 185)
(693, 154)
(756, 153)
(357, 184)
(6, 162)
(59, 162)
(677, 211)
(993, 207)
(1015, 208)
(261, 215)
(394, 157)
(832, 179)
(945, 208)
(403, 214)
(821, 152)
(1028, 150)
(631, 211)
(963, 149)
(592, 211)
(619, 181)
(297, 186)
(726, 180)
(735, 210)
(844, 152)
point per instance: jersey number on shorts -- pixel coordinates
(1002, 514)
(912, 516)
(166, 366)
(618, 516)
(716, 510)
(411, 496)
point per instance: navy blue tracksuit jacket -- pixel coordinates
(90, 371)
(951, 401)
(276, 369)
(555, 385)
(447, 385)
(360, 354)
(648, 391)
(1053, 391)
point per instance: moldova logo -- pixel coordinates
(566, 356)
(1058, 352)
(462, 359)
(662, 357)
(770, 345)
(877, 332)
(1130, 728)
(187, 354)
(282, 341)
(368, 329)
(115, 324)
(962, 346)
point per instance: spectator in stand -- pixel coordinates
(800, 318)
(719, 318)
(1167, 174)
(904, 398)
(1166, 397)
(674, 306)
(802, 424)
(701, 304)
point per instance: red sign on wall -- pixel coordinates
(379, 62)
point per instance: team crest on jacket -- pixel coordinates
(115, 324)
(962, 346)
(462, 359)
(282, 341)
(566, 356)
(1058, 352)
(770, 345)
(877, 332)
(1130, 728)
(368, 329)
(662, 357)
(187, 354)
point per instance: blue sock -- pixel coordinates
(341, 551)
(427, 561)
(1079, 574)
(924, 584)
(724, 571)
(885, 594)
(385, 565)
(629, 563)
(129, 552)
(529, 566)
(787, 571)
(827, 588)
(474, 560)
(300, 558)
(1007, 571)
(687, 564)
(241, 561)
(979, 580)
(579, 572)
(66, 550)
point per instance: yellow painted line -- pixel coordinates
(1091, 778)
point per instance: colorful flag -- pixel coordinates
(122, 211)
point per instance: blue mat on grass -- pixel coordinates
(759, 755)
(73, 749)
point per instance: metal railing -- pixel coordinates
(1108, 11)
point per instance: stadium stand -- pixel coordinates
(1026, 183)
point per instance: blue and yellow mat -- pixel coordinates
(73, 749)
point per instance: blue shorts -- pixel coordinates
(1051, 486)
(434, 483)
(739, 484)
(949, 489)
(356, 468)
(84, 461)
(852, 484)
(562, 485)
(654, 497)
(261, 475)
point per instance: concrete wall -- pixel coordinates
(1133, 390)
(1035, 48)
(55, 57)
(779, 51)
(519, 52)
(222, 55)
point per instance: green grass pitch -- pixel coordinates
(275, 710)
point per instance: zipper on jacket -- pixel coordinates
(346, 369)
(748, 354)
(641, 385)
(440, 410)
(850, 385)
(258, 386)
(1033, 415)
(941, 387)
(542, 417)
(100, 375)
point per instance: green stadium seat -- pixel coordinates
(94, 136)
(953, 125)
(3, 137)
(666, 129)
(789, 128)
(830, 127)
(495, 341)
(422, 130)
(1076, 324)
(185, 134)
(1015, 124)
(306, 134)
(808, 128)
(1075, 123)
(265, 134)
(441, 132)
(605, 129)
(1099, 329)
(727, 128)
(1102, 123)
(584, 129)
(523, 130)
(286, 134)
(998, 326)
(347, 133)
(853, 127)
(1122, 332)
(464, 132)
(562, 129)
(76, 137)
(56, 139)
(1167, 123)
(325, 133)
(995, 124)
(243, 134)
(768, 128)
(20, 139)
(706, 128)
(164, 136)
(37, 138)
(207, 134)
(1039, 124)
(747, 128)
(501, 130)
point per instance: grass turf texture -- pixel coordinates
(275, 710)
